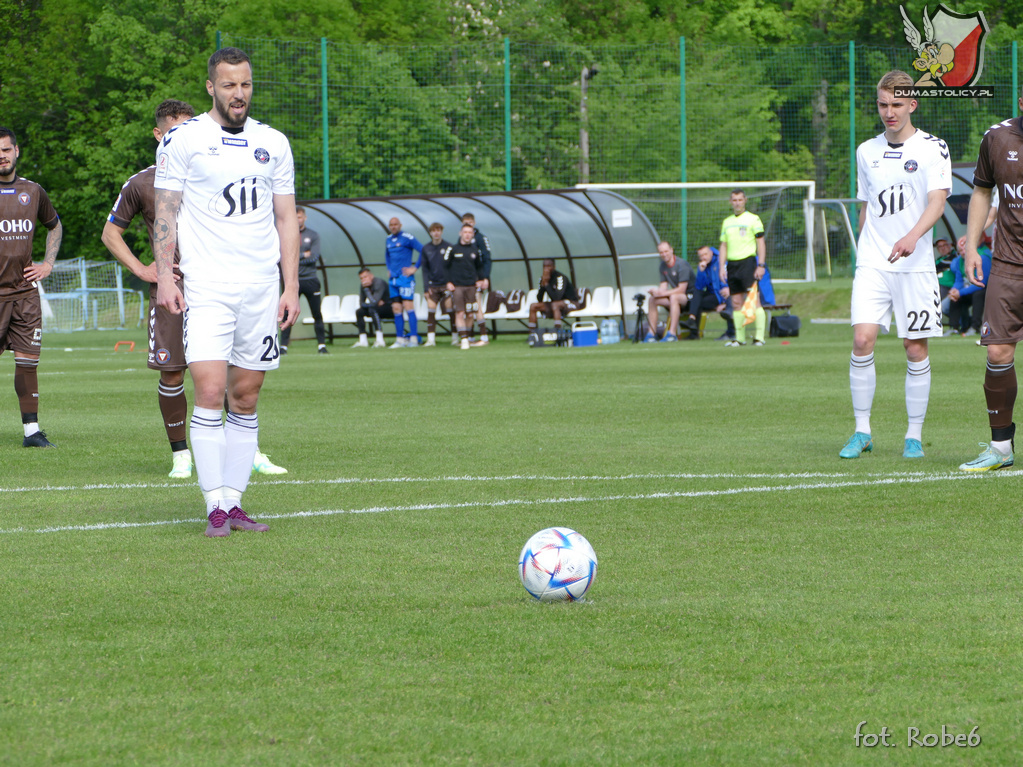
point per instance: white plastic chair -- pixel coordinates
(329, 308)
(523, 312)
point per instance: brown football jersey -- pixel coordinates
(1000, 164)
(138, 196)
(23, 204)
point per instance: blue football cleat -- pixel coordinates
(858, 443)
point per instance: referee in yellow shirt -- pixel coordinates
(743, 258)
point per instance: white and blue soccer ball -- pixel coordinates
(557, 565)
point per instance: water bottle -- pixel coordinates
(609, 333)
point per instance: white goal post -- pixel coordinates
(89, 295)
(689, 216)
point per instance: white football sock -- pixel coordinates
(242, 439)
(862, 382)
(918, 391)
(208, 448)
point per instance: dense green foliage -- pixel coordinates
(80, 79)
(756, 597)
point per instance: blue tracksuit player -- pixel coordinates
(401, 272)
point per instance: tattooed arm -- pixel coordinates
(35, 271)
(165, 241)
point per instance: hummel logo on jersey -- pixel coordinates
(1012, 157)
(213, 152)
(234, 141)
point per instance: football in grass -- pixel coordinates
(557, 565)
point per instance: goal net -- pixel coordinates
(88, 295)
(689, 216)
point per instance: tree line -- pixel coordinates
(80, 79)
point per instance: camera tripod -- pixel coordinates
(640, 331)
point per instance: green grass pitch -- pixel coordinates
(757, 598)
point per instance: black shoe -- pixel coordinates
(322, 350)
(284, 350)
(37, 440)
(692, 326)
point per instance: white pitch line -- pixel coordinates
(472, 478)
(890, 480)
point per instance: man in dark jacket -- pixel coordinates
(555, 297)
(710, 295)
(373, 303)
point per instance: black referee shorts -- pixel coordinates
(741, 274)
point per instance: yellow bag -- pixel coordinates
(749, 307)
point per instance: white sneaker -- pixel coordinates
(380, 344)
(182, 466)
(454, 340)
(465, 343)
(399, 343)
(261, 464)
(412, 341)
(430, 342)
(362, 342)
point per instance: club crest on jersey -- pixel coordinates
(241, 197)
(162, 356)
(24, 198)
(262, 156)
(910, 166)
(985, 330)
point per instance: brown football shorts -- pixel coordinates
(21, 323)
(166, 338)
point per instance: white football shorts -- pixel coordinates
(232, 322)
(914, 298)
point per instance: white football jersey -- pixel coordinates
(226, 230)
(894, 181)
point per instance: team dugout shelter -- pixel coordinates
(597, 237)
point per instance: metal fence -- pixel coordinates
(367, 119)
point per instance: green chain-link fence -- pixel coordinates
(412, 119)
